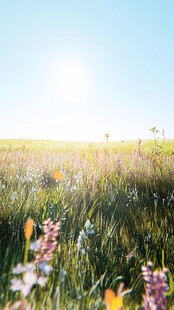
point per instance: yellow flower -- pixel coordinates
(113, 302)
(28, 231)
(58, 176)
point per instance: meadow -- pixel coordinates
(114, 205)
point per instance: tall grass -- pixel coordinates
(125, 190)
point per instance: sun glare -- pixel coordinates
(70, 80)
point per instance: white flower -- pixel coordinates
(26, 285)
(88, 224)
(30, 278)
(42, 281)
(30, 267)
(78, 246)
(46, 268)
(18, 269)
(16, 284)
(35, 246)
(25, 289)
(3, 186)
(89, 227)
(83, 252)
(82, 234)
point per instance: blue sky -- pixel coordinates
(74, 70)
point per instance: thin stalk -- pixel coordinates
(27, 245)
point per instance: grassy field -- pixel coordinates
(115, 205)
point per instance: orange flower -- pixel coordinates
(113, 302)
(58, 176)
(28, 230)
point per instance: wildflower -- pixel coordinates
(130, 255)
(155, 197)
(83, 252)
(16, 284)
(48, 242)
(30, 278)
(42, 281)
(46, 268)
(44, 248)
(83, 235)
(24, 285)
(89, 227)
(28, 231)
(113, 302)
(139, 147)
(58, 176)
(30, 267)
(155, 288)
(35, 246)
(18, 269)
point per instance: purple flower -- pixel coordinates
(155, 288)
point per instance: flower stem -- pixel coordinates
(27, 244)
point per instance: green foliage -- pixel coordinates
(126, 191)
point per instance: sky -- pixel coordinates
(74, 70)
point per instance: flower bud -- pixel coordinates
(28, 231)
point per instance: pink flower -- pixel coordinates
(155, 288)
(48, 242)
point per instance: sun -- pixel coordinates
(70, 79)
